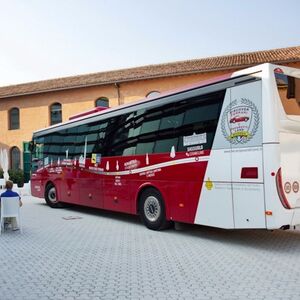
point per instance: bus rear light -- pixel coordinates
(295, 187)
(280, 190)
(249, 172)
(287, 187)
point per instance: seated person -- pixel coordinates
(10, 193)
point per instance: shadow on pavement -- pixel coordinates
(71, 209)
(275, 240)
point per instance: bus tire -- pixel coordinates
(152, 210)
(51, 196)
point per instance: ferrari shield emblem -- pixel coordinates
(240, 121)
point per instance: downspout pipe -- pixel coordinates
(117, 85)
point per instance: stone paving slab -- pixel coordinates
(105, 255)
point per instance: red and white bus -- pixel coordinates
(222, 153)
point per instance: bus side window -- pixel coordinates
(166, 138)
(156, 130)
(117, 140)
(146, 124)
(91, 138)
(82, 131)
(69, 141)
(101, 133)
(201, 116)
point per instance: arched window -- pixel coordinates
(15, 156)
(55, 113)
(152, 94)
(14, 118)
(103, 101)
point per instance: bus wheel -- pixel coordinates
(152, 210)
(51, 197)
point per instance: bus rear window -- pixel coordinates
(289, 92)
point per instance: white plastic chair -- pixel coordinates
(2, 183)
(25, 190)
(15, 187)
(10, 208)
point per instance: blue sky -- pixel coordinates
(50, 39)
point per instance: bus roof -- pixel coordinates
(203, 83)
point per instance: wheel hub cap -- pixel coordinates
(152, 208)
(52, 195)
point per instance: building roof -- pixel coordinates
(209, 64)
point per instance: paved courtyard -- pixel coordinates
(104, 255)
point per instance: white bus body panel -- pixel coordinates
(227, 200)
(290, 164)
(248, 197)
(283, 153)
(248, 193)
(215, 207)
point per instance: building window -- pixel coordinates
(14, 118)
(15, 158)
(152, 94)
(103, 101)
(55, 113)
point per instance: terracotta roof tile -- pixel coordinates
(202, 65)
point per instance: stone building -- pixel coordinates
(27, 107)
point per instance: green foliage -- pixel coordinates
(17, 176)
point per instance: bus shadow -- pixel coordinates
(91, 211)
(287, 241)
(275, 240)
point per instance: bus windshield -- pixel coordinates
(289, 92)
